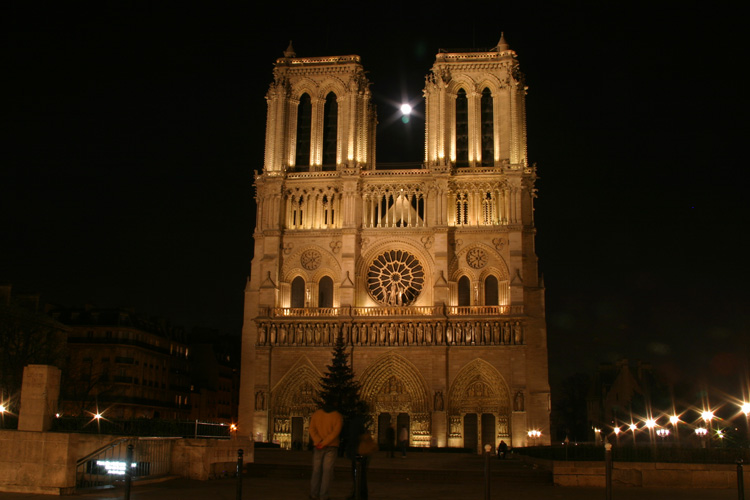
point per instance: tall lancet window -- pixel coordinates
(304, 123)
(464, 291)
(462, 129)
(325, 292)
(490, 291)
(488, 136)
(298, 292)
(330, 129)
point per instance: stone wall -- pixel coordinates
(204, 459)
(45, 462)
(642, 474)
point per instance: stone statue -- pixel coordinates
(517, 337)
(261, 334)
(518, 404)
(506, 333)
(355, 334)
(260, 400)
(438, 400)
(392, 334)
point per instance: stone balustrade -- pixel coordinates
(390, 311)
(274, 330)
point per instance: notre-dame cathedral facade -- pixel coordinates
(429, 273)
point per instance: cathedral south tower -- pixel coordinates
(429, 274)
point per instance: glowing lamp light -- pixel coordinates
(745, 408)
(707, 415)
(650, 423)
(701, 431)
(616, 430)
(3, 409)
(674, 419)
(720, 433)
(633, 427)
(534, 433)
(115, 468)
(405, 109)
(98, 416)
(662, 433)
(233, 427)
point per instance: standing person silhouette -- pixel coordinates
(325, 428)
(403, 438)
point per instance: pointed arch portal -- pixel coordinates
(478, 394)
(392, 385)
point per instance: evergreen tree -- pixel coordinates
(338, 389)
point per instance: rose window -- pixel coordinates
(310, 259)
(476, 258)
(395, 278)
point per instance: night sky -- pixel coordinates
(132, 134)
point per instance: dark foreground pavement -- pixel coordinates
(279, 475)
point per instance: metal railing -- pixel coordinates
(107, 466)
(143, 427)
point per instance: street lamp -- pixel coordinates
(675, 420)
(2, 416)
(633, 427)
(707, 416)
(745, 408)
(534, 434)
(701, 433)
(617, 432)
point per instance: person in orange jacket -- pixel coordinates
(325, 429)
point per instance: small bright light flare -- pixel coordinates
(534, 433)
(2, 409)
(720, 433)
(701, 431)
(650, 423)
(745, 408)
(633, 427)
(232, 427)
(662, 432)
(406, 109)
(674, 419)
(707, 415)
(98, 416)
(616, 430)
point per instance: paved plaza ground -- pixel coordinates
(282, 475)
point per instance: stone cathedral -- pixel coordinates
(429, 273)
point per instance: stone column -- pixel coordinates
(40, 391)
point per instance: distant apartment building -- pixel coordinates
(123, 365)
(215, 376)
